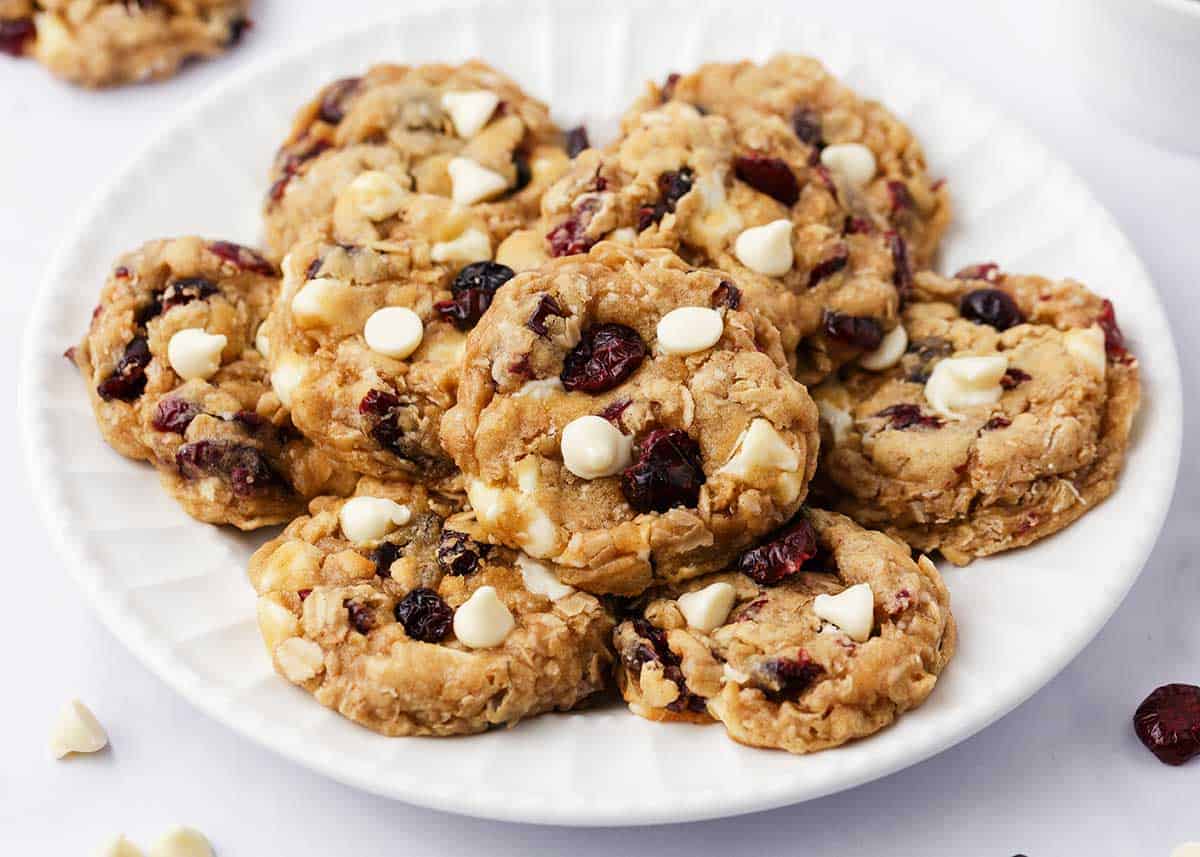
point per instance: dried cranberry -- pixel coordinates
(791, 676)
(857, 226)
(860, 331)
(991, 306)
(806, 122)
(174, 415)
(899, 196)
(15, 35)
(333, 102)
(829, 266)
(906, 415)
(1014, 378)
(391, 420)
(425, 616)
(1168, 723)
(668, 472)
(782, 556)
(128, 379)
(458, 554)
(987, 271)
(243, 257)
(362, 617)
(383, 556)
(570, 236)
(290, 168)
(244, 467)
(902, 275)
(657, 650)
(672, 187)
(615, 409)
(473, 288)
(726, 295)
(1114, 340)
(577, 141)
(605, 356)
(997, 423)
(546, 307)
(668, 90)
(772, 176)
(186, 290)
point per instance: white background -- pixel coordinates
(1061, 776)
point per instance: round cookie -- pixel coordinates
(175, 379)
(824, 634)
(618, 416)
(830, 278)
(451, 157)
(1000, 416)
(388, 615)
(99, 43)
(366, 348)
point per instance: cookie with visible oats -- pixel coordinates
(996, 415)
(387, 614)
(824, 634)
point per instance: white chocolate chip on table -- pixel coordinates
(77, 731)
(182, 842)
(119, 846)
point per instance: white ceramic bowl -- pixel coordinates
(1139, 61)
(175, 591)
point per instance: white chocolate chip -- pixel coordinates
(77, 731)
(470, 111)
(689, 330)
(541, 389)
(378, 195)
(852, 610)
(1087, 344)
(286, 378)
(707, 609)
(767, 249)
(853, 162)
(275, 622)
(366, 520)
(840, 422)
(541, 580)
(482, 621)
(1187, 849)
(965, 382)
(316, 302)
(624, 235)
(300, 659)
(593, 448)
(731, 674)
(473, 245)
(394, 331)
(262, 343)
(195, 353)
(760, 448)
(889, 352)
(119, 846)
(182, 842)
(473, 183)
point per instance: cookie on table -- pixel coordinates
(366, 345)
(627, 418)
(175, 379)
(452, 158)
(763, 210)
(826, 633)
(99, 43)
(391, 617)
(998, 414)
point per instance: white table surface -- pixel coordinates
(1063, 775)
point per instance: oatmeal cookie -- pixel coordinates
(996, 415)
(366, 348)
(390, 616)
(630, 419)
(753, 204)
(175, 379)
(824, 634)
(98, 43)
(453, 158)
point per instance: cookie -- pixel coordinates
(451, 158)
(822, 635)
(385, 613)
(100, 43)
(630, 419)
(745, 197)
(366, 348)
(998, 416)
(175, 379)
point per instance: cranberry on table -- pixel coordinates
(1168, 723)
(604, 357)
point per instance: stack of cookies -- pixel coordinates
(683, 415)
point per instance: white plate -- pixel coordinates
(174, 591)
